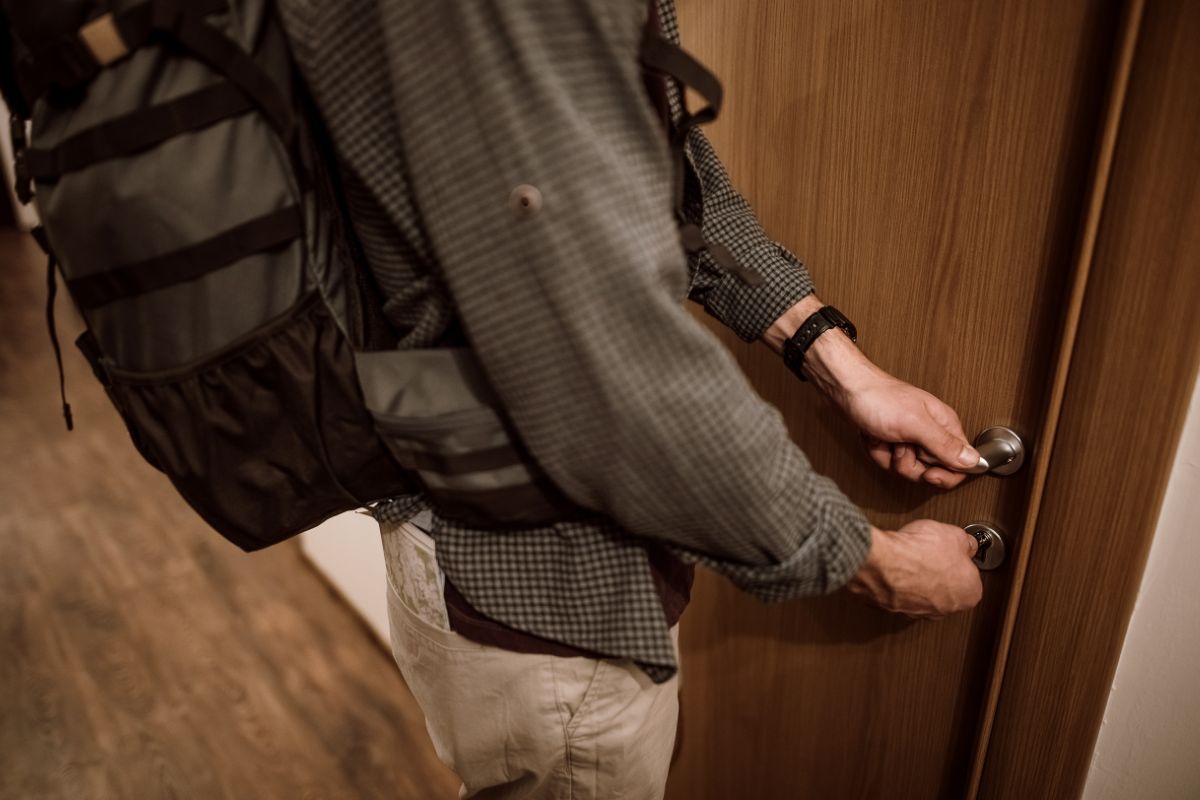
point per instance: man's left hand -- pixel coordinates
(899, 422)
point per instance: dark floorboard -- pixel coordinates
(141, 656)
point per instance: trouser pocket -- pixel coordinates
(268, 437)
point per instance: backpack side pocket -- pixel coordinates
(437, 416)
(267, 437)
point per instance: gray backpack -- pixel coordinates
(188, 195)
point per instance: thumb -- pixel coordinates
(950, 448)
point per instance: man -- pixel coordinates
(508, 175)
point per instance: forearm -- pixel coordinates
(833, 363)
(789, 322)
(891, 413)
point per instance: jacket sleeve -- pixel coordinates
(724, 216)
(543, 180)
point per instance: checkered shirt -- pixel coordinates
(438, 110)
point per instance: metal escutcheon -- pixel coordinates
(1001, 451)
(991, 544)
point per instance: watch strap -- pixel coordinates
(821, 320)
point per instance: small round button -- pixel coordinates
(525, 200)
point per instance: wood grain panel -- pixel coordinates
(1101, 172)
(1130, 380)
(928, 160)
(143, 656)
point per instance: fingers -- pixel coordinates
(906, 464)
(943, 478)
(938, 431)
(925, 572)
(879, 451)
(909, 463)
(950, 447)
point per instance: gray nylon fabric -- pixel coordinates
(437, 401)
(191, 321)
(179, 193)
(422, 383)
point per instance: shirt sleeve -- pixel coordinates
(724, 216)
(544, 182)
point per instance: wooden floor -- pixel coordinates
(140, 655)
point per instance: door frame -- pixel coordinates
(1109, 443)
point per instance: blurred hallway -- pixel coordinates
(145, 657)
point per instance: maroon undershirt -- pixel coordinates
(672, 581)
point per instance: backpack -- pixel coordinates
(188, 193)
(188, 198)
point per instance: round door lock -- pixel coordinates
(991, 545)
(1001, 451)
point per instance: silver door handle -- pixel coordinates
(991, 545)
(1001, 452)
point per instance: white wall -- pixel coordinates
(1149, 745)
(346, 549)
(26, 216)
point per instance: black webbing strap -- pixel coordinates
(537, 503)
(262, 233)
(70, 62)
(659, 54)
(137, 131)
(227, 57)
(664, 57)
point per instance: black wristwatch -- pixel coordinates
(820, 321)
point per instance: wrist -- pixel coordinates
(870, 580)
(790, 321)
(833, 362)
(838, 368)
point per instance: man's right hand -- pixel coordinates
(922, 570)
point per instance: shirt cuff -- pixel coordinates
(822, 564)
(749, 310)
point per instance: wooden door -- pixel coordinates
(931, 162)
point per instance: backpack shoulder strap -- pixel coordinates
(665, 58)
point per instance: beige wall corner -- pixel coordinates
(1150, 737)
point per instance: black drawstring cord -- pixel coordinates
(24, 189)
(51, 293)
(52, 285)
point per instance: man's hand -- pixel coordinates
(898, 421)
(923, 570)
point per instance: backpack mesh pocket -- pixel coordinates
(267, 437)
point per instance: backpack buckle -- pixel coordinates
(103, 40)
(23, 184)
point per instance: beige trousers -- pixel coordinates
(517, 725)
